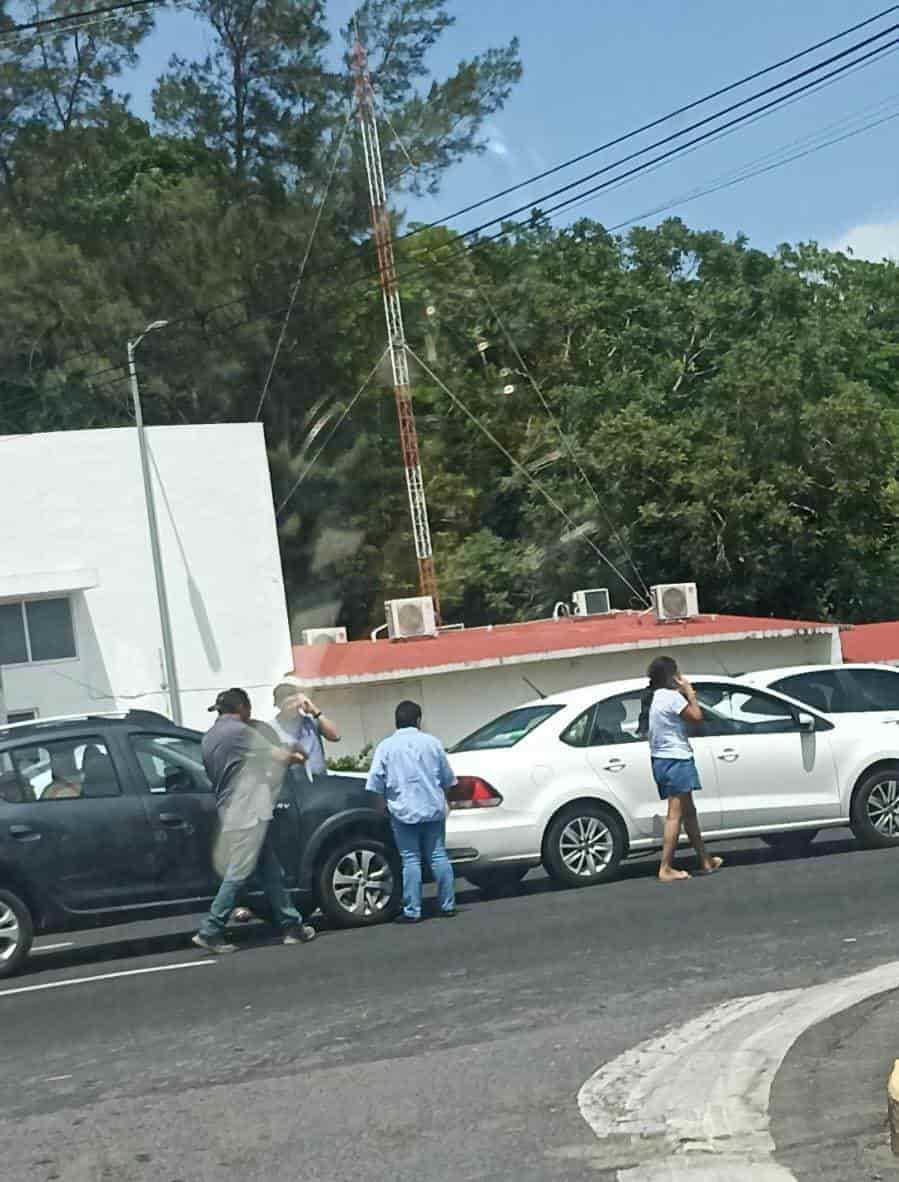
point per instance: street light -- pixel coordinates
(168, 648)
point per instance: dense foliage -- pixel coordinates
(682, 405)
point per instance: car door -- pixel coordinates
(770, 771)
(620, 758)
(180, 806)
(75, 826)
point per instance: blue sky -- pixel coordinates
(594, 69)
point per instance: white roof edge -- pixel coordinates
(563, 654)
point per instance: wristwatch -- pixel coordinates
(317, 715)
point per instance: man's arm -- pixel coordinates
(326, 728)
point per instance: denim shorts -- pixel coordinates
(674, 777)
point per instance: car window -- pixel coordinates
(870, 689)
(577, 733)
(65, 769)
(171, 763)
(616, 720)
(727, 710)
(820, 689)
(508, 729)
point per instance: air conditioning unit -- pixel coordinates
(593, 601)
(675, 601)
(410, 617)
(323, 636)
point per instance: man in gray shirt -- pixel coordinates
(246, 768)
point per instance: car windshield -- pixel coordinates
(508, 729)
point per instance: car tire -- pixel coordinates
(497, 880)
(790, 844)
(584, 845)
(16, 933)
(874, 818)
(344, 897)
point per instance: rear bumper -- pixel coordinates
(484, 837)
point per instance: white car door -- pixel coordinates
(620, 759)
(770, 771)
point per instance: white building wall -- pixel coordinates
(75, 503)
(454, 704)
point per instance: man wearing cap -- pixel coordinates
(246, 769)
(301, 726)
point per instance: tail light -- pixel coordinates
(471, 792)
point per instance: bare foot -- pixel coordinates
(666, 874)
(711, 865)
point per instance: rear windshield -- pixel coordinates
(507, 730)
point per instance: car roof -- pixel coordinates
(586, 695)
(766, 676)
(42, 727)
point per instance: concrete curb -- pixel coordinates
(893, 1108)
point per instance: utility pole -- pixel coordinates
(393, 315)
(168, 647)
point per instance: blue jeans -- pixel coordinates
(423, 842)
(251, 849)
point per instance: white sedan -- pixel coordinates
(566, 781)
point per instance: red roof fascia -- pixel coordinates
(871, 642)
(540, 638)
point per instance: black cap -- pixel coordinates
(229, 701)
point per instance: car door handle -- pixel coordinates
(615, 765)
(728, 755)
(172, 820)
(23, 833)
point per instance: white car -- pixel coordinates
(566, 781)
(857, 691)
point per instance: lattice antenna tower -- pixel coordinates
(393, 315)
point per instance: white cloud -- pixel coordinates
(871, 240)
(497, 143)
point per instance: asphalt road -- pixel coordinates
(451, 1050)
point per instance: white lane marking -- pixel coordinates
(52, 947)
(161, 968)
(692, 1103)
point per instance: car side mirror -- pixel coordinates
(806, 722)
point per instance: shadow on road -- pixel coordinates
(112, 949)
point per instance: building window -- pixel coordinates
(36, 630)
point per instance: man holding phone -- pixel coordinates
(300, 724)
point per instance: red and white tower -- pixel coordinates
(393, 314)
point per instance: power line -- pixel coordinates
(464, 248)
(85, 14)
(704, 122)
(654, 123)
(302, 268)
(519, 467)
(461, 247)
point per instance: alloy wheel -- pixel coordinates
(883, 808)
(363, 882)
(586, 846)
(10, 932)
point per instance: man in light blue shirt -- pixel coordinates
(411, 771)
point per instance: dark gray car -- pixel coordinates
(111, 818)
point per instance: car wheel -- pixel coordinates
(16, 933)
(497, 880)
(360, 883)
(790, 844)
(875, 808)
(584, 845)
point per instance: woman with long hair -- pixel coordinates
(669, 703)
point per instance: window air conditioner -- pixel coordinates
(675, 601)
(323, 636)
(410, 617)
(592, 602)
